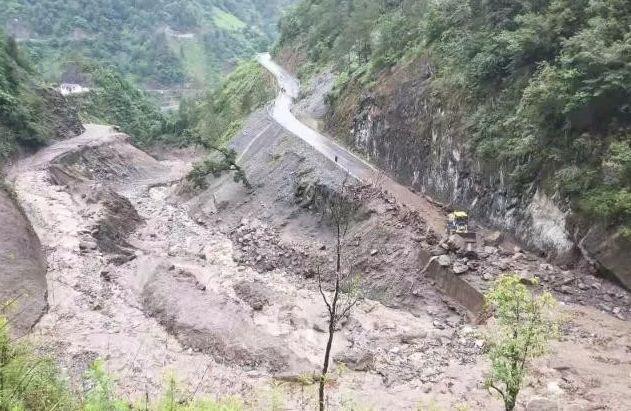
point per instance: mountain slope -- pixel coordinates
(517, 111)
(160, 43)
(30, 112)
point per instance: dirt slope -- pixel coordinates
(22, 267)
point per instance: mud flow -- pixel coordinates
(218, 287)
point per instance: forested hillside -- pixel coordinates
(160, 43)
(541, 87)
(30, 113)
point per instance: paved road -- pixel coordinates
(352, 164)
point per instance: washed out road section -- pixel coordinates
(351, 163)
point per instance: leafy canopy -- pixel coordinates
(524, 325)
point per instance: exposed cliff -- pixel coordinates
(453, 101)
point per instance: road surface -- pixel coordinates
(351, 163)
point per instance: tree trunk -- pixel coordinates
(325, 367)
(511, 399)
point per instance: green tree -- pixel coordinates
(524, 324)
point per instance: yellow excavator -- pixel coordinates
(458, 223)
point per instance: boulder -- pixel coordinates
(255, 294)
(356, 360)
(456, 243)
(527, 279)
(436, 251)
(444, 260)
(493, 238)
(608, 249)
(459, 268)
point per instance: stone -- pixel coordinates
(439, 325)
(356, 360)
(444, 261)
(87, 245)
(437, 251)
(527, 279)
(487, 277)
(502, 265)
(493, 238)
(411, 338)
(459, 268)
(490, 250)
(373, 252)
(542, 404)
(472, 254)
(456, 243)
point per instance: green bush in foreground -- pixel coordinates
(32, 382)
(524, 326)
(28, 381)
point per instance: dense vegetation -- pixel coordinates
(146, 39)
(23, 109)
(114, 100)
(217, 116)
(32, 113)
(213, 120)
(545, 85)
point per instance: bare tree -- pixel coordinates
(345, 294)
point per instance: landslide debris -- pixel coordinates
(214, 324)
(23, 267)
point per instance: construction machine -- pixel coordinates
(458, 223)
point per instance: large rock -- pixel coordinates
(444, 260)
(493, 238)
(456, 243)
(609, 251)
(357, 360)
(460, 268)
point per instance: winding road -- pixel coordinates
(351, 163)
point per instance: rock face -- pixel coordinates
(421, 141)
